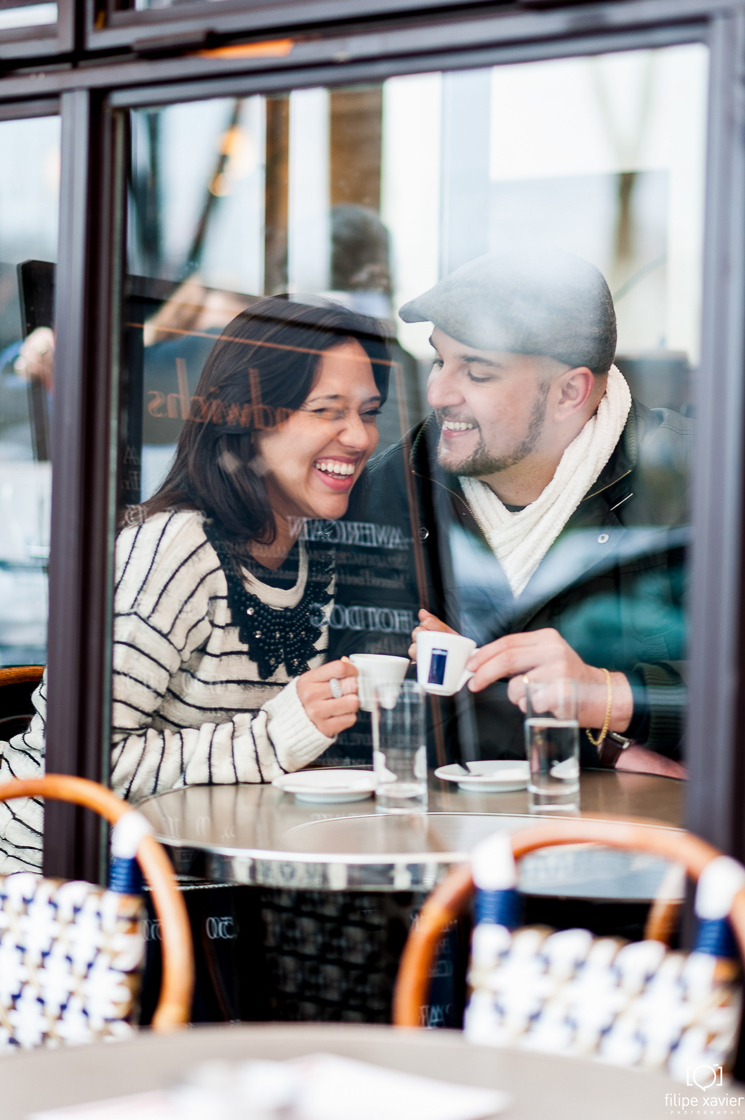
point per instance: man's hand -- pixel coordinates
(330, 716)
(36, 358)
(640, 760)
(543, 655)
(427, 621)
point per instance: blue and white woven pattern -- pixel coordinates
(70, 961)
(630, 1004)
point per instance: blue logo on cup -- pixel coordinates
(437, 666)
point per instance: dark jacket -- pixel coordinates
(612, 584)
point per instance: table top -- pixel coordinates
(562, 1088)
(254, 834)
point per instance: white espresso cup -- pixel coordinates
(441, 660)
(381, 673)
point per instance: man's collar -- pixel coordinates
(623, 459)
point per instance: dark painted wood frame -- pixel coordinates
(84, 470)
(94, 100)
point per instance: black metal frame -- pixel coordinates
(93, 100)
(83, 495)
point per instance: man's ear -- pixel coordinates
(576, 387)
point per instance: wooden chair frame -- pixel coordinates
(451, 898)
(20, 674)
(16, 675)
(174, 1005)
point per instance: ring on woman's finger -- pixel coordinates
(526, 682)
(335, 686)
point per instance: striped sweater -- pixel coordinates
(188, 704)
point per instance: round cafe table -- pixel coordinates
(323, 896)
(255, 835)
(541, 1086)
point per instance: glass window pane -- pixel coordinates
(27, 15)
(526, 476)
(28, 248)
(29, 199)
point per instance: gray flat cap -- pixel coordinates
(537, 301)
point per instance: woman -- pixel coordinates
(222, 597)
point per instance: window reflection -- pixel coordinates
(590, 157)
(28, 241)
(29, 186)
(27, 15)
(552, 211)
(549, 516)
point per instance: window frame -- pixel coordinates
(24, 110)
(202, 21)
(94, 100)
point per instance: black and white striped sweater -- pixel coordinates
(189, 706)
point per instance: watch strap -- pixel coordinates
(612, 746)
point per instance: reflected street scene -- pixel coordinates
(528, 258)
(29, 189)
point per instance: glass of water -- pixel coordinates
(552, 745)
(399, 750)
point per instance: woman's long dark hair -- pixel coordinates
(260, 370)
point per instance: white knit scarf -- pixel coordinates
(521, 540)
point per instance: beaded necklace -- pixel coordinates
(276, 635)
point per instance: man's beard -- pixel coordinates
(481, 463)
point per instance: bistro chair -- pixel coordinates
(17, 683)
(71, 953)
(647, 1007)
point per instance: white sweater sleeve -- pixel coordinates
(22, 820)
(156, 631)
(248, 748)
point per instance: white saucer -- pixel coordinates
(328, 786)
(566, 771)
(500, 775)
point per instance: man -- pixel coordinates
(543, 513)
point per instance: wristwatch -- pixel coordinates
(611, 747)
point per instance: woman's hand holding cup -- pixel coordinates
(331, 715)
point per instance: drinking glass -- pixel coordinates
(552, 745)
(400, 752)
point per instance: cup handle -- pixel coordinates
(467, 674)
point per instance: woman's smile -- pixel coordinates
(313, 460)
(336, 472)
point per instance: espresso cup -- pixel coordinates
(379, 673)
(441, 660)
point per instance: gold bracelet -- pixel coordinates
(606, 722)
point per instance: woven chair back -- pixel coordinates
(71, 953)
(637, 1005)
